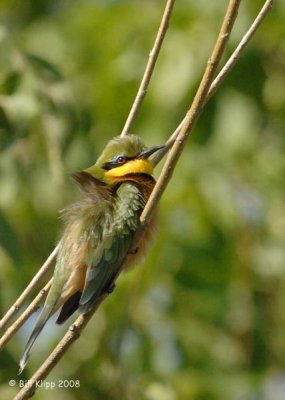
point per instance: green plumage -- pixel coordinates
(107, 251)
(98, 233)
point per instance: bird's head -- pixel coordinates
(121, 157)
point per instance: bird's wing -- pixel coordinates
(96, 190)
(105, 256)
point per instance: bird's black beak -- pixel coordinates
(148, 152)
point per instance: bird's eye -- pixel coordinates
(121, 160)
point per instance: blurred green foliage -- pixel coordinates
(203, 318)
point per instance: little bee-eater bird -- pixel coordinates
(97, 239)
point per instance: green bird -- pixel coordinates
(98, 233)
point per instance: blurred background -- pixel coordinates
(203, 318)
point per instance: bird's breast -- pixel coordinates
(145, 238)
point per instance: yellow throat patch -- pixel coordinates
(131, 167)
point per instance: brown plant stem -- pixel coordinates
(63, 345)
(193, 113)
(239, 49)
(153, 55)
(213, 88)
(181, 134)
(34, 305)
(70, 336)
(222, 75)
(22, 298)
(195, 109)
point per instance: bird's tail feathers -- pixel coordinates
(44, 316)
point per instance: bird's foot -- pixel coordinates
(134, 250)
(111, 288)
